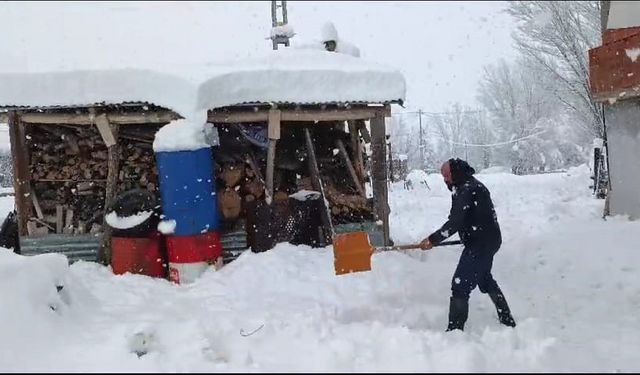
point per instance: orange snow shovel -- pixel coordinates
(352, 251)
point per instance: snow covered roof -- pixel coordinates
(283, 76)
(86, 88)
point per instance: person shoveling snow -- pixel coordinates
(474, 218)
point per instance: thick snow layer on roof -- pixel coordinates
(80, 88)
(284, 76)
(288, 75)
(305, 77)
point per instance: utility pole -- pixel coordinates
(421, 146)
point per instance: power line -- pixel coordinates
(476, 145)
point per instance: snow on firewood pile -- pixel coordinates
(569, 276)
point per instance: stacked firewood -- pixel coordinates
(61, 154)
(68, 166)
(137, 167)
(239, 184)
(345, 206)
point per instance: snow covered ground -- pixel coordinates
(570, 277)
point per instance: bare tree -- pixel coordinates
(556, 36)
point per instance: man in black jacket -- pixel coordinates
(473, 217)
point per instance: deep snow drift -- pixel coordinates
(569, 276)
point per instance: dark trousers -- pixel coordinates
(474, 268)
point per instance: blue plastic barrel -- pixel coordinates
(187, 190)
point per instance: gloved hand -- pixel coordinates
(426, 244)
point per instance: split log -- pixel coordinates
(253, 187)
(232, 175)
(230, 203)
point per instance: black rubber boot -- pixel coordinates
(458, 313)
(504, 313)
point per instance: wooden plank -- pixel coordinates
(102, 123)
(43, 223)
(364, 132)
(306, 115)
(274, 124)
(316, 182)
(356, 144)
(379, 174)
(36, 205)
(159, 117)
(21, 175)
(113, 165)
(274, 135)
(613, 75)
(613, 35)
(68, 222)
(59, 214)
(352, 171)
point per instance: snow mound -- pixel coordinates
(40, 301)
(495, 170)
(180, 135)
(284, 30)
(418, 177)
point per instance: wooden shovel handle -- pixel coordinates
(417, 246)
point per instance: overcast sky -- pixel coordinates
(439, 46)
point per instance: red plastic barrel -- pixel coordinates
(189, 256)
(138, 255)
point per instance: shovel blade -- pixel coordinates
(352, 252)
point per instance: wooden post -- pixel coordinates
(391, 178)
(358, 163)
(104, 255)
(36, 205)
(22, 187)
(352, 171)
(316, 181)
(379, 174)
(274, 135)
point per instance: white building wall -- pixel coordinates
(623, 135)
(624, 14)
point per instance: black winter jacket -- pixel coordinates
(472, 213)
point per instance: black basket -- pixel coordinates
(130, 203)
(293, 221)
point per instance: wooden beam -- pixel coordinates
(68, 222)
(118, 118)
(356, 144)
(113, 165)
(274, 135)
(59, 218)
(316, 182)
(21, 185)
(102, 123)
(379, 174)
(352, 171)
(364, 132)
(36, 205)
(305, 115)
(612, 74)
